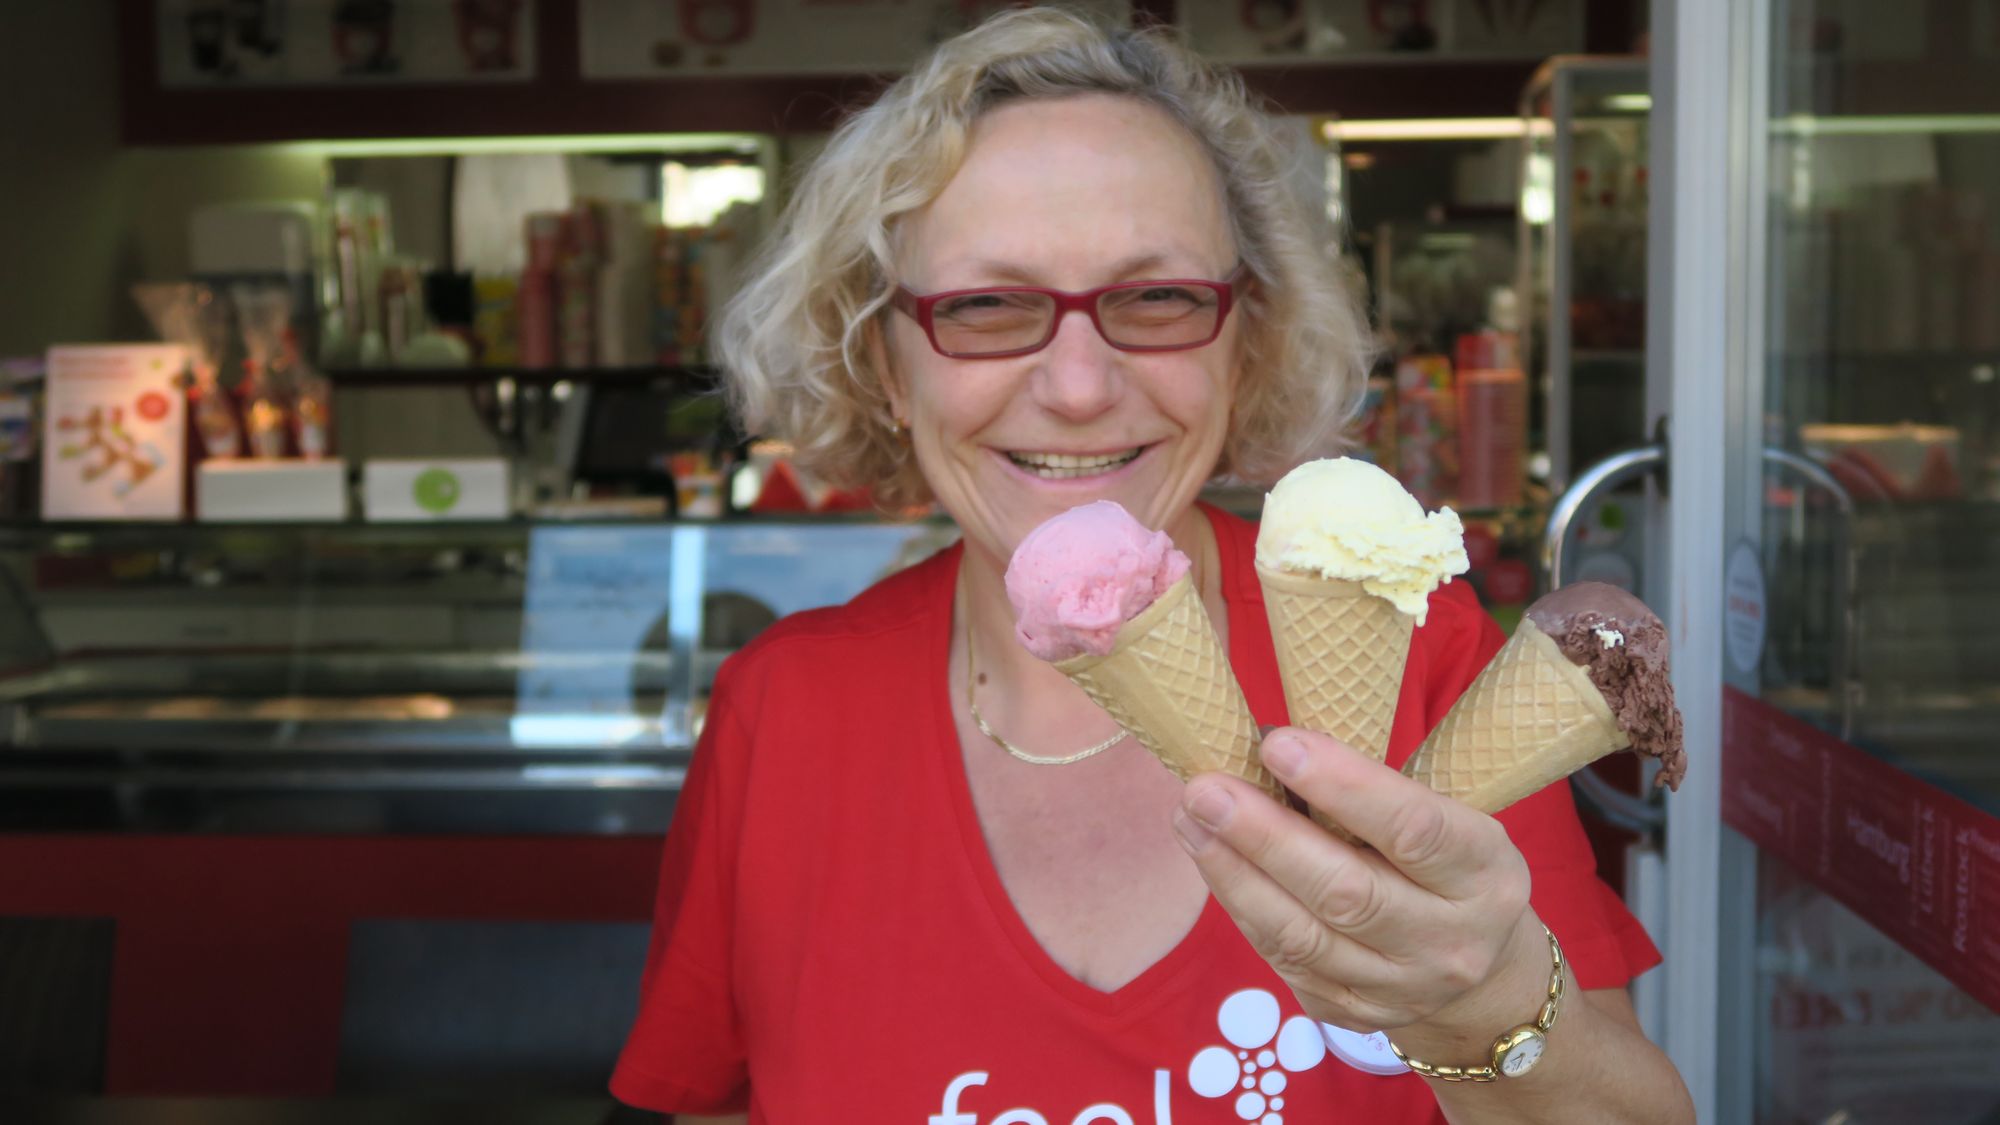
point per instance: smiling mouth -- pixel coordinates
(1066, 466)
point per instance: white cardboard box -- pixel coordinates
(246, 491)
(471, 488)
(114, 433)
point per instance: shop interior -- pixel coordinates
(454, 530)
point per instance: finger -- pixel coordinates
(1345, 888)
(1314, 959)
(1443, 845)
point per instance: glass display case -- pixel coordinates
(510, 677)
(283, 794)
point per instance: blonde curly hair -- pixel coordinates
(793, 342)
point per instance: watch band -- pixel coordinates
(1544, 1020)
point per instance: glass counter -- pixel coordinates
(447, 677)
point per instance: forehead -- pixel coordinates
(1060, 190)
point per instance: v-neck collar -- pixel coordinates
(1159, 980)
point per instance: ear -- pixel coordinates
(877, 343)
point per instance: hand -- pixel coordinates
(1426, 928)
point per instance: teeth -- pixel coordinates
(1063, 466)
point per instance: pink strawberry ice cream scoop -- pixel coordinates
(1081, 575)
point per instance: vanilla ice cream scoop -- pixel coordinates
(1347, 519)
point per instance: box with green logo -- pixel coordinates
(404, 491)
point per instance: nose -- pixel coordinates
(1078, 376)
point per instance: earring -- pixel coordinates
(899, 429)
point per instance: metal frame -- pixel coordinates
(1556, 77)
(1746, 26)
(1694, 114)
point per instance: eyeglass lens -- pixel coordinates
(1005, 320)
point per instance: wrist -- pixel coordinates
(1462, 1032)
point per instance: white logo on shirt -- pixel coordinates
(1266, 1054)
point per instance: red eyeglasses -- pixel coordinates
(1134, 316)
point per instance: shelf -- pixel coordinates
(390, 378)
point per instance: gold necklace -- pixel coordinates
(972, 701)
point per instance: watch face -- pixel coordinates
(1522, 1056)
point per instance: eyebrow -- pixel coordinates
(1006, 271)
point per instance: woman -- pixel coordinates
(879, 903)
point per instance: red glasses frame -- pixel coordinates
(920, 308)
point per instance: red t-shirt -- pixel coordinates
(833, 944)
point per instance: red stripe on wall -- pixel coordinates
(230, 968)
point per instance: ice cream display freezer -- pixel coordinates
(494, 678)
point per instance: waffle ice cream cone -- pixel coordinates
(1340, 653)
(1348, 560)
(1530, 719)
(1168, 682)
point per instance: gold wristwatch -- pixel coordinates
(1517, 1051)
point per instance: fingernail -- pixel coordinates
(1285, 755)
(1211, 806)
(1193, 836)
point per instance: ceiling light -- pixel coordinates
(1431, 129)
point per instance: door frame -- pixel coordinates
(1707, 218)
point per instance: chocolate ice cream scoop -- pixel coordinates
(1622, 646)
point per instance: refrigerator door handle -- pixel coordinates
(1607, 474)
(1641, 815)
(1644, 815)
(1846, 685)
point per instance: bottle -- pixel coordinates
(1492, 410)
(576, 294)
(535, 299)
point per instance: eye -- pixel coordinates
(984, 304)
(1157, 302)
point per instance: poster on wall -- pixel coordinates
(205, 43)
(1252, 31)
(114, 433)
(691, 38)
